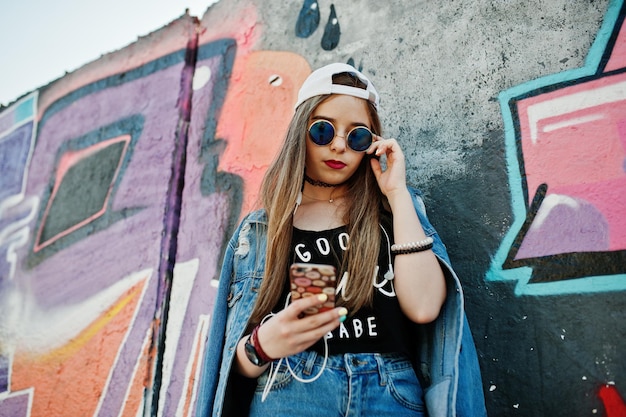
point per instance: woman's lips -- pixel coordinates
(335, 164)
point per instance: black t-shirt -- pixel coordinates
(381, 328)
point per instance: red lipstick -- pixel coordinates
(335, 164)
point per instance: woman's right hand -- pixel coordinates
(286, 334)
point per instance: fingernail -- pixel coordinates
(343, 312)
(322, 297)
(342, 319)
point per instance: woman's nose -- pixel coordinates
(339, 143)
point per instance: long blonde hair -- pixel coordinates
(279, 191)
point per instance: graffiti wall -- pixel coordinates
(122, 181)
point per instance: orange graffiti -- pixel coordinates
(257, 110)
(186, 402)
(259, 102)
(226, 20)
(134, 397)
(70, 379)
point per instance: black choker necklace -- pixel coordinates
(319, 183)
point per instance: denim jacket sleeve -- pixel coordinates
(449, 361)
(241, 272)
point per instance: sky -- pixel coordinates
(41, 40)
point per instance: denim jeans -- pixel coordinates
(351, 385)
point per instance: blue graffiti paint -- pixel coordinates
(308, 19)
(332, 31)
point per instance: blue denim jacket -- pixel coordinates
(448, 356)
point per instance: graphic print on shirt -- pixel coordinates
(365, 330)
(322, 247)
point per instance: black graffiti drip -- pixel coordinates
(351, 62)
(332, 32)
(308, 19)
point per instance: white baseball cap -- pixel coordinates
(320, 82)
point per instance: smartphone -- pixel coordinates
(312, 279)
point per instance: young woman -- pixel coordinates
(336, 194)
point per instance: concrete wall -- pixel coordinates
(122, 180)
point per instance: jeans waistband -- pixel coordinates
(351, 363)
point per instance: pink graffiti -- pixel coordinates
(574, 141)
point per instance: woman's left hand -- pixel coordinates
(393, 178)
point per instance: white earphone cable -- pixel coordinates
(274, 367)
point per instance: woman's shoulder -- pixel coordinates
(256, 216)
(253, 220)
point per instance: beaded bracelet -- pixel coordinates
(412, 247)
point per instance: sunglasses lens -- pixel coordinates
(321, 132)
(359, 139)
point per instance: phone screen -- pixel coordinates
(312, 279)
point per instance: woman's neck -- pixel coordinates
(330, 194)
(321, 208)
(318, 183)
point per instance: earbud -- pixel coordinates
(298, 202)
(389, 274)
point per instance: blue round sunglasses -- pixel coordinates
(322, 132)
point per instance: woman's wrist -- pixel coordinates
(398, 197)
(254, 350)
(244, 366)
